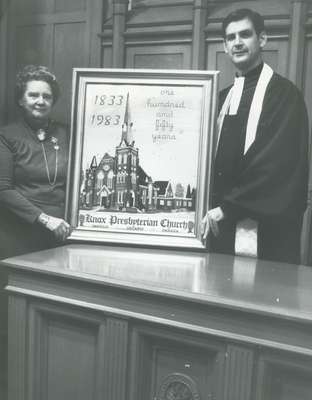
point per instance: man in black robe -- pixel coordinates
(261, 165)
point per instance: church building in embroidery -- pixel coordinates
(119, 183)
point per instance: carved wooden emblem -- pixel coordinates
(178, 387)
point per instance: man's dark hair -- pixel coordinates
(243, 13)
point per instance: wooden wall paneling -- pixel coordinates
(297, 42)
(275, 53)
(260, 380)
(168, 363)
(267, 8)
(95, 18)
(296, 74)
(159, 36)
(71, 366)
(33, 44)
(283, 377)
(158, 3)
(200, 10)
(67, 39)
(100, 361)
(62, 354)
(218, 60)
(307, 90)
(306, 236)
(307, 70)
(4, 34)
(238, 373)
(107, 55)
(116, 360)
(13, 55)
(4, 40)
(37, 355)
(34, 7)
(17, 348)
(166, 15)
(106, 37)
(139, 360)
(75, 354)
(61, 36)
(61, 6)
(119, 26)
(168, 56)
(3, 334)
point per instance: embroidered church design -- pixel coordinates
(119, 183)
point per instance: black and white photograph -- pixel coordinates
(155, 199)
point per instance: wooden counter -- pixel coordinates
(92, 322)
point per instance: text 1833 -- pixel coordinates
(108, 100)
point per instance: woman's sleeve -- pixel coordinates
(10, 198)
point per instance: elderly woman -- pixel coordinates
(33, 168)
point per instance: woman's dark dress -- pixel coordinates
(25, 190)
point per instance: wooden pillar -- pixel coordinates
(295, 74)
(18, 309)
(3, 61)
(198, 45)
(119, 26)
(238, 386)
(297, 42)
(96, 11)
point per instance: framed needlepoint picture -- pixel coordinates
(140, 155)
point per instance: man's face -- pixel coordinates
(243, 45)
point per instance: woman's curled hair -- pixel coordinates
(35, 73)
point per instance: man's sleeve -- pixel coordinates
(274, 175)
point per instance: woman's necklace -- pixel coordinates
(54, 140)
(42, 135)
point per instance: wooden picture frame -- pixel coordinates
(140, 156)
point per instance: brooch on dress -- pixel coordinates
(41, 135)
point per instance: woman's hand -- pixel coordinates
(60, 228)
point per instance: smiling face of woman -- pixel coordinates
(37, 102)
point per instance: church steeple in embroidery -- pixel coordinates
(127, 136)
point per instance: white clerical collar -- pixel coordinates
(232, 101)
(237, 91)
(256, 105)
(238, 87)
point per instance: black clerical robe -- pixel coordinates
(269, 182)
